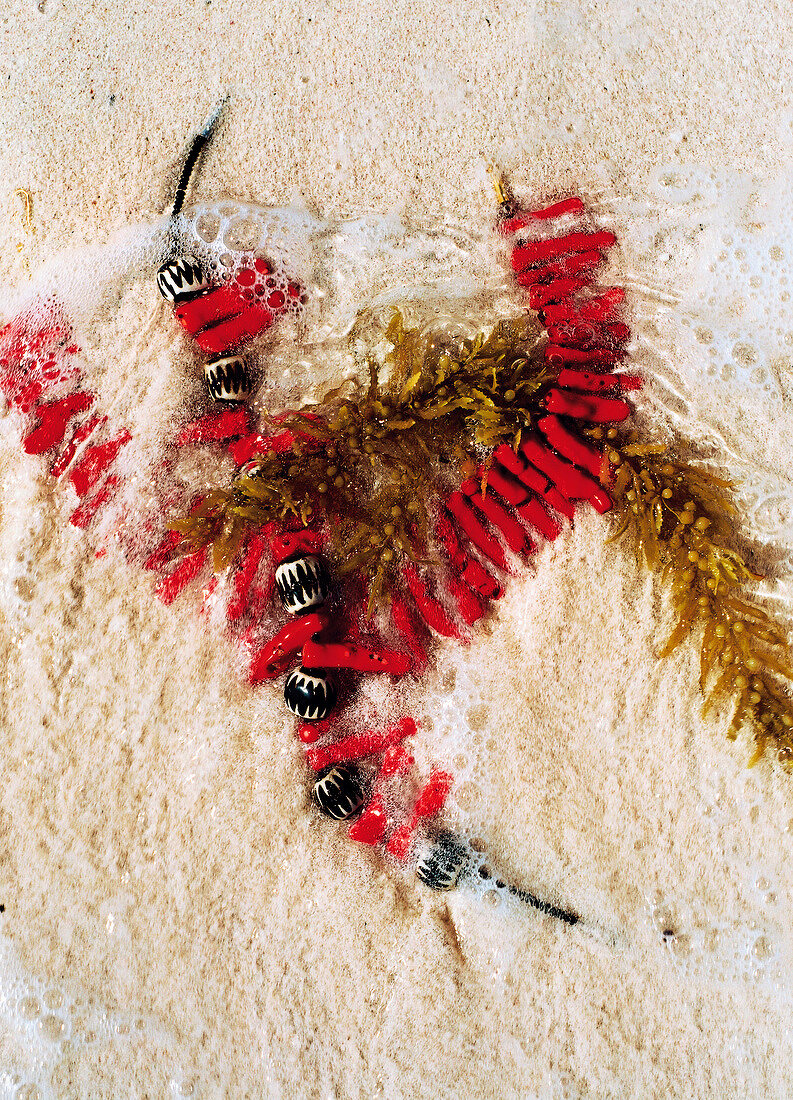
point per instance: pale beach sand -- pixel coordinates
(177, 921)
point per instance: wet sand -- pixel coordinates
(177, 922)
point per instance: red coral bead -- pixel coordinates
(53, 419)
(355, 657)
(471, 526)
(572, 482)
(188, 569)
(95, 461)
(371, 825)
(215, 427)
(598, 410)
(80, 434)
(282, 650)
(536, 252)
(358, 745)
(428, 607)
(572, 447)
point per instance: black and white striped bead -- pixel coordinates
(250, 468)
(441, 861)
(228, 379)
(339, 792)
(302, 583)
(310, 693)
(181, 279)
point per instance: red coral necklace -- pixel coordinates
(386, 516)
(480, 529)
(532, 488)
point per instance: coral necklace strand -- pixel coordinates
(535, 490)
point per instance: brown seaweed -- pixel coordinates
(372, 457)
(679, 515)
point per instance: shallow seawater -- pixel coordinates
(575, 817)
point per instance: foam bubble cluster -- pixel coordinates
(341, 265)
(266, 251)
(45, 1028)
(709, 260)
(320, 277)
(718, 949)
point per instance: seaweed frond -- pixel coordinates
(679, 515)
(370, 458)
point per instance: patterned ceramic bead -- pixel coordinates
(181, 279)
(310, 693)
(339, 792)
(441, 861)
(250, 468)
(302, 583)
(228, 379)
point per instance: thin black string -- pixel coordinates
(531, 899)
(199, 141)
(544, 906)
(184, 180)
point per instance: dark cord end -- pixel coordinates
(544, 906)
(199, 141)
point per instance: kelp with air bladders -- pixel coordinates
(679, 516)
(371, 458)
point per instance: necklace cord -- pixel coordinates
(197, 147)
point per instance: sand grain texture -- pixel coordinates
(161, 873)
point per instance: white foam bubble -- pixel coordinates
(321, 277)
(709, 268)
(341, 264)
(44, 1025)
